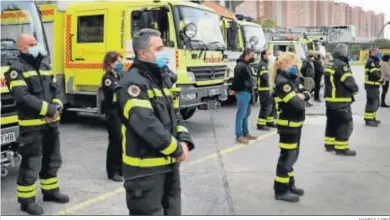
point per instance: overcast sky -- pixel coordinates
(375, 5)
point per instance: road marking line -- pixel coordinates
(118, 191)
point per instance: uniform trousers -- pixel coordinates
(158, 194)
(289, 143)
(339, 127)
(41, 157)
(372, 102)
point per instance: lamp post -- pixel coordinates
(380, 32)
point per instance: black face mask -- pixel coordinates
(251, 60)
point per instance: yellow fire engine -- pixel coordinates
(17, 17)
(83, 32)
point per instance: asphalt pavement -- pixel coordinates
(225, 178)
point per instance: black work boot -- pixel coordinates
(272, 125)
(262, 128)
(31, 208)
(371, 123)
(297, 191)
(287, 197)
(56, 197)
(384, 105)
(377, 121)
(317, 100)
(346, 152)
(329, 148)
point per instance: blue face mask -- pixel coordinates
(118, 67)
(34, 51)
(161, 59)
(379, 55)
(292, 70)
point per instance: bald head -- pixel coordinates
(25, 42)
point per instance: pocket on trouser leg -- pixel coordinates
(143, 196)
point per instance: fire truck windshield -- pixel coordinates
(18, 17)
(251, 30)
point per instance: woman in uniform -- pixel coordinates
(113, 65)
(290, 98)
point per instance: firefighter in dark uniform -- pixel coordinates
(38, 104)
(267, 112)
(171, 78)
(290, 97)
(155, 138)
(373, 80)
(340, 88)
(113, 65)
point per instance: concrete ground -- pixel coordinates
(223, 178)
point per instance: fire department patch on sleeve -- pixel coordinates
(286, 88)
(107, 82)
(13, 74)
(372, 64)
(263, 67)
(345, 68)
(134, 90)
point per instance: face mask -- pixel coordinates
(378, 55)
(292, 70)
(118, 67)
(34, 51)
(161, 59)
(251, 60)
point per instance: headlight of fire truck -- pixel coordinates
(191, 76)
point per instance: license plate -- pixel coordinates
(213, 92)
(7, 138)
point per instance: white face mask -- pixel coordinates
(36, 50)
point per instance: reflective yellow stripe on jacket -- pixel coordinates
(143, 162)
(36, 122)
(333, 97)
(369, 82)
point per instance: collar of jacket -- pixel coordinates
(30, 60)
(374, 58)
(241, 59)
(150, 69)
(341, 57)
(118, 75)
(285, 74)
(264, 61)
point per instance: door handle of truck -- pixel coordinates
(79, 58)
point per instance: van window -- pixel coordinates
(160, 23)
(90, 29)
(283, 48)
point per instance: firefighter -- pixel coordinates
(38, 104)
(340, 88)
(318, 73)
(171, 79)
(267, 108)
(155, 138)
(290, 97)
(113, 65)
(308, 72)
(372, 82)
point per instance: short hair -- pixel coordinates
(141, 39)
(110, 58)
(341, 49)
(247, 51)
